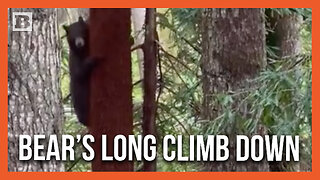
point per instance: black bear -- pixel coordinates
(80, 67)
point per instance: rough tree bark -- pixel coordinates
(233, 44)
(285, 36)
(285, 33)
(34, 105)
(150, 81)
(111, 83)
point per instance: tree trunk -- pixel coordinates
(150, 81)
(233, 44)
(138, 21)
(34, 105)
(285, 36)
(285, 33)
(111, 83)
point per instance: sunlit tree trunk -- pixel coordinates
(138, 20)
(233, 43)
(34, 97)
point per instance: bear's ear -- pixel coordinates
(81, 19)
(66, 28)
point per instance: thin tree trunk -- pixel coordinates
(233, 43)
(111, 83)
(150, 81)
(34, 95)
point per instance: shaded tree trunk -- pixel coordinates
(285, 33)
(233, 44)
(34, 105)
(150, 81)
(111, 83)
(285, 36)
